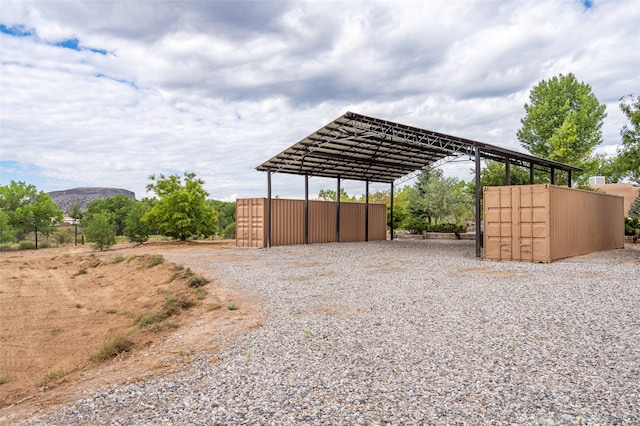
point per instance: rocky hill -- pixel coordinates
(65, 199)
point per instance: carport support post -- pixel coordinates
(338, 212)
(391, 212)
(268, 207)
(306, 209)
(507, 169)
(531, 179)
(569, 178)
(478, 188)
(366, 212)
(553, 176)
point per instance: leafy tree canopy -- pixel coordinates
(182, 210)
(117, 207)
(27, 209)
(629, 154)
(563, 121)
(494, 174)
(330, 195)
(100, 230)
(435, 198)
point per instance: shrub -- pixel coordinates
(154, 260)
(229, 232)
(100, 231)
(198, 281)
(112, 348)
(27, 245)
(631, 226)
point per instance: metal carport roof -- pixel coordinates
(363, 148)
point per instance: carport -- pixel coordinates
(368, 149)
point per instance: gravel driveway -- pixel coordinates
(406, 332)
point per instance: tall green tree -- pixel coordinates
(494, 174)
(135, 229)
(28, 210)
(330, 195)
(182, 210)
(100, 230)
(117, 207)
(629, 153)
(634, 208)
(563, 121)
(436, 198)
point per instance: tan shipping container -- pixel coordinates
(287, 221)
(543, 223)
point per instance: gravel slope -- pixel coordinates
(406, 332)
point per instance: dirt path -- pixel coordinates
(59, 306)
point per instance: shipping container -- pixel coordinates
(543, 223)
(288, 223)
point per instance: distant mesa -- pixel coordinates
(83, 196)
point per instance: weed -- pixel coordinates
(154, 260)
(51, 377)
(307, 334)
(149, 318)
(82, 271)
(200, 293)
(111, 311)
(112, 348)
(79, 305)
(55, 330)
(3, 380)
(173, 305)
(198, 281)
(233, 307)
(118, 259)
(94, 262)
(179, 268)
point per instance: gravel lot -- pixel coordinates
(406, 332)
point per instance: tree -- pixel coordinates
(634, 208)
(435, 198)
(182, 210)
(28, 209)
(629, 153)
(330, 195)
(563, 121)
(100, 230)
(226, 216)
(117, 207)
(494, 174)
(135, 229)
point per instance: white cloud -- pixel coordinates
(219, 87)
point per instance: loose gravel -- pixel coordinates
(404, 332)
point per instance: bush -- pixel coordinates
(112, 348)
(445, 227)
(631, 226)
(229, 232)
(100, 231)
(27, 245)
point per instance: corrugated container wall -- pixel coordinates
(542, 223)
(288, 222)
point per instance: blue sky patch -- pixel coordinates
(72, 44)
(16, 30)
(588, 4)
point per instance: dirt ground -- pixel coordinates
(60, 306)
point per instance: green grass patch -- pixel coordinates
(118, 259)
(55, 330)
(233, 307)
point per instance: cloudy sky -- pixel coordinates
(106, 93)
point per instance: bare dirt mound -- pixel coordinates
(61, 308)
